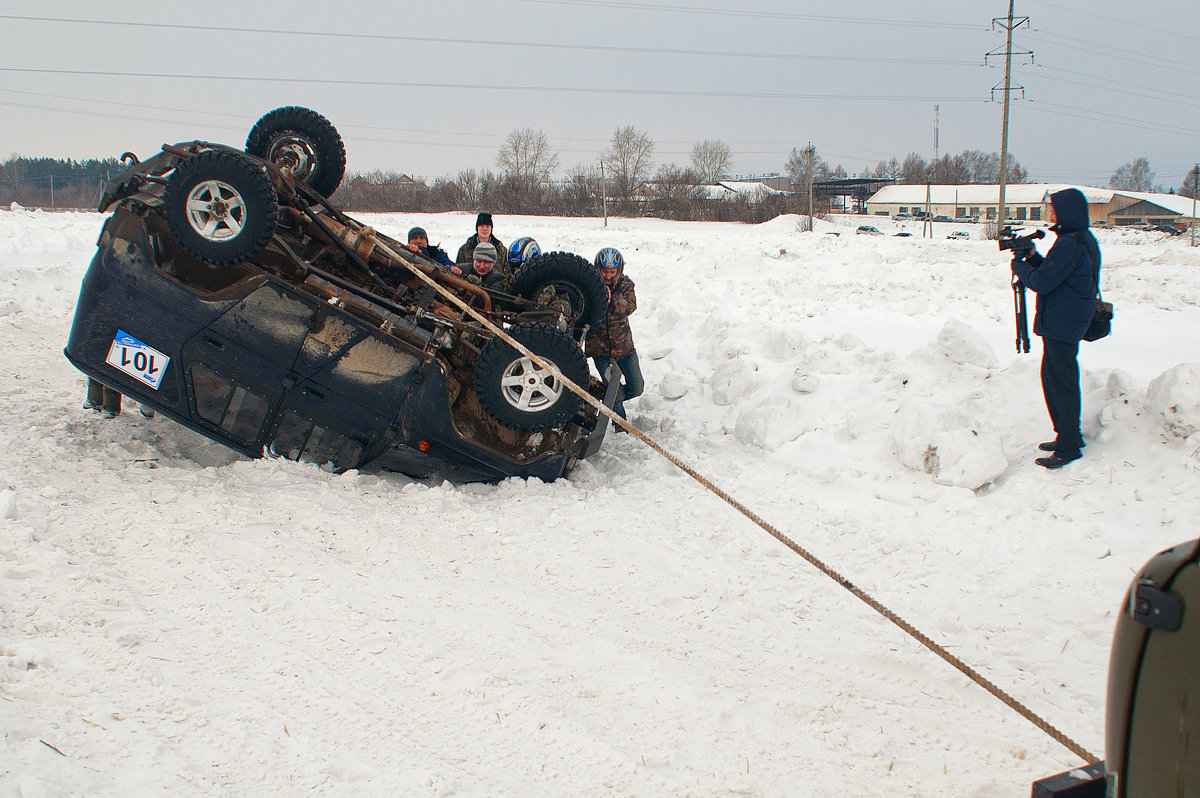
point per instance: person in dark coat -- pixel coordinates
(418, 242)
(483, 269)
(613, 338)
(1066, 282)
(483, 235)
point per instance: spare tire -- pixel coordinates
(220, 207)
(303, 142)
(565, 279)
(522, 395)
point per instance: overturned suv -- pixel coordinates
(231, 296)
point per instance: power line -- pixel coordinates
(1112, 119)
(631, 6)
(832, 149)
(1141, 92)
(496, 87)
(1104, 81)
(489, 42)
(1143, 58)
(1125, 23)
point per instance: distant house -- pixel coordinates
(782, 183)
(751, 189)
(1140, 206)
(721, 190)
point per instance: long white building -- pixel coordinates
(1030, 202)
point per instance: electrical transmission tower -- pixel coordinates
(1009, 24)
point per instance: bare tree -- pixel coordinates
(1189, 188)
(677, 193)
(914, 170)
(579, 195)
(711, 160)
(797, 168)
(526, 157)
(467, 182)
(629, 160)
(1133, 176)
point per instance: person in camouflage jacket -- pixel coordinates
(612, 340)
(483, 235)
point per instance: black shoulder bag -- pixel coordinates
(1101, 324)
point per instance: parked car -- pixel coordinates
(902, 216)
(941, 218)
(903, 234)
(229, 295)
(1102, 224)
(959, 234)
(868, 230)
(1170, 229)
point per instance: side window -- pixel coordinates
(228, 406)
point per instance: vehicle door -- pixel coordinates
(351, 381)
(238, 367)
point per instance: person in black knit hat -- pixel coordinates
(483, 235)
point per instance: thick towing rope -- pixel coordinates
(770, 529)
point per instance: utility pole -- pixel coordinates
(1009, 24)
(927, 223)
(809, 150)
(1195, 191)
(603, 192)
(51, 192)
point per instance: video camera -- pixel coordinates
(1020, 245)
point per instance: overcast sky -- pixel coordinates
(430, 88)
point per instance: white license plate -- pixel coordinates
(142, 362)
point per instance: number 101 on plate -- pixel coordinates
(143, 363)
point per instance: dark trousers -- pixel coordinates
(1060, 386)
(633, 383)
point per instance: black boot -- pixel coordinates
(1058, 459)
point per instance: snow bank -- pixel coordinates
(1175, 396)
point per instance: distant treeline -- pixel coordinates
(55, 183)
(674, 192)
(578, 195)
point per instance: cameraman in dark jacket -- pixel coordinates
(1066, 282)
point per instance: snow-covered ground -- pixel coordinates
(177, 620)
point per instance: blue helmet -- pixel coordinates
(609, 258)
(521, 251)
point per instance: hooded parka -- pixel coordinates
(1067, 279)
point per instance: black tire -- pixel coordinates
(304, 142)
(554, 276)
(220, 207)
(516, 392)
